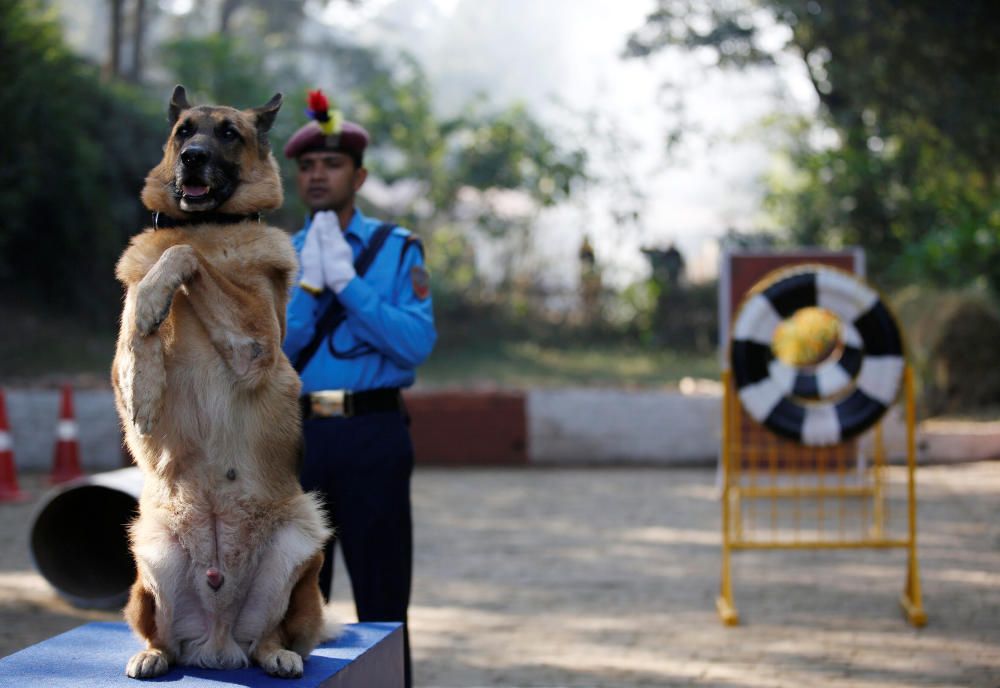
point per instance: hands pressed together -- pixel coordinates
(327, 258)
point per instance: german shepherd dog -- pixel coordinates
(227, 546)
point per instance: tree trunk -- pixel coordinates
(114, 66)
(138, 24)
(226, 14)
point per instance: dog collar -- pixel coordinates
(163, 221)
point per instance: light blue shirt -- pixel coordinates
(388, 329)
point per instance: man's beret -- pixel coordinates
(352, 139)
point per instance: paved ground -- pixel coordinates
(606, 577)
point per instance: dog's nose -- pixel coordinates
(194, 156)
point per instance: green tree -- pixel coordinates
(481, 149)
(74, 156)
(909, 91)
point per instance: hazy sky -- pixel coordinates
(537, 51)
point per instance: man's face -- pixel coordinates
(328, 180)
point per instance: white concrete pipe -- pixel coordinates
(79, 538)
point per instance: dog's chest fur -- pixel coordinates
(223, 449)
(210, 419)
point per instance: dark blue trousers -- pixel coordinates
(362, 467)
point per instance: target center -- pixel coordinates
(808, 338)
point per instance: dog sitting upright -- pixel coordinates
(227, 546)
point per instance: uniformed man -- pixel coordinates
(359, 323)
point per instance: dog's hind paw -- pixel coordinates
(155, 292)
(283, 664)
(150, 315)
(147, 664)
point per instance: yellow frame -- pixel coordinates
(733, 493)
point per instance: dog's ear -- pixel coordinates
(264, 119)
(265, 114)
(178, 104)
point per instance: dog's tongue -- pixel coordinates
(192, 191)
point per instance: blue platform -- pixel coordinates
(94, 656)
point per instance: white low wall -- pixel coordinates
(618, 426)
(564, 426)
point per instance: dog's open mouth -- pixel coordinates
(195, 195)
(194, 192)
(205, 187)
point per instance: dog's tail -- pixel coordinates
(332, 627)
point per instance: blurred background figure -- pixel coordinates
(590, 283)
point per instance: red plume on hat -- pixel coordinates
(317, 102)
(318, 108)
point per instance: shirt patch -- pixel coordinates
(421, 282)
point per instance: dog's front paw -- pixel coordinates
(152, 308)
(148, 664)
(156, 290)
(283, 664)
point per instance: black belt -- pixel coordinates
(341, 403)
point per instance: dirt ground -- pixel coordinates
(607, 577)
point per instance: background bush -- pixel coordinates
(74, 152)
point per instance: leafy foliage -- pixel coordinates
(75, 152)
(506, 149)
(909, 92)
(481, 148)
(950, 341)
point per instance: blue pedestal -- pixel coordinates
(368, 655)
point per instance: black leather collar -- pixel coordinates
(162, 220)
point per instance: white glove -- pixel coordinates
(337, 254)
(312, 263)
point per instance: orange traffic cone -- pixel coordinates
(9, 491)
(66, 462)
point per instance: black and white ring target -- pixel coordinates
(838, 398)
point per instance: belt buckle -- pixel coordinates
(328, 403)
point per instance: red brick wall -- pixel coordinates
(468, 428)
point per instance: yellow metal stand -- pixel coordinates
(737, 487)
(911, 599)
(724, 602)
